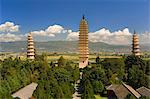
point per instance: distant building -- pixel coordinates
(30, 48)
(83, 43)
(120, 91)
(26, 92)
(135, 45)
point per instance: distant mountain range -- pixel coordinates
(67, 46)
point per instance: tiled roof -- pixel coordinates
(120, 91)
(143, 91)
(134, 92)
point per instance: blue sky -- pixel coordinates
(112, 14)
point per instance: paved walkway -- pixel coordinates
(77, 94)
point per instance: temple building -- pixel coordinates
(135, 45)
(83, 43)
(121, 91)
(30, 48)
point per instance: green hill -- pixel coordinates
(65, 46)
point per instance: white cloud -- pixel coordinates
(9, 27)
(7, 31)
(120, 37)
(51, 31)
(54, 29)
(9, 37)
(42, 33)
(117, 37)
(144, 38)
(73, 36)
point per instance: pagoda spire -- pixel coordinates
(83, 17)
(134, 32)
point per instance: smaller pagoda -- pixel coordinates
(30, 48)
(135, 45)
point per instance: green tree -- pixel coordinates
(76, 74)
(147, 63)
(98, 86)
(109, 73)
(61, 61)
(88, 92)
(134, 61)
(129, 96)
(136, 78)
(97, 60)
(52, 64)
(114, 64)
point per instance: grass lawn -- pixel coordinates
(69, 56)
(146, 58)
(99, 97)
(76, 57)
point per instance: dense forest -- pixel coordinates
(53, 82)
(56, 81)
